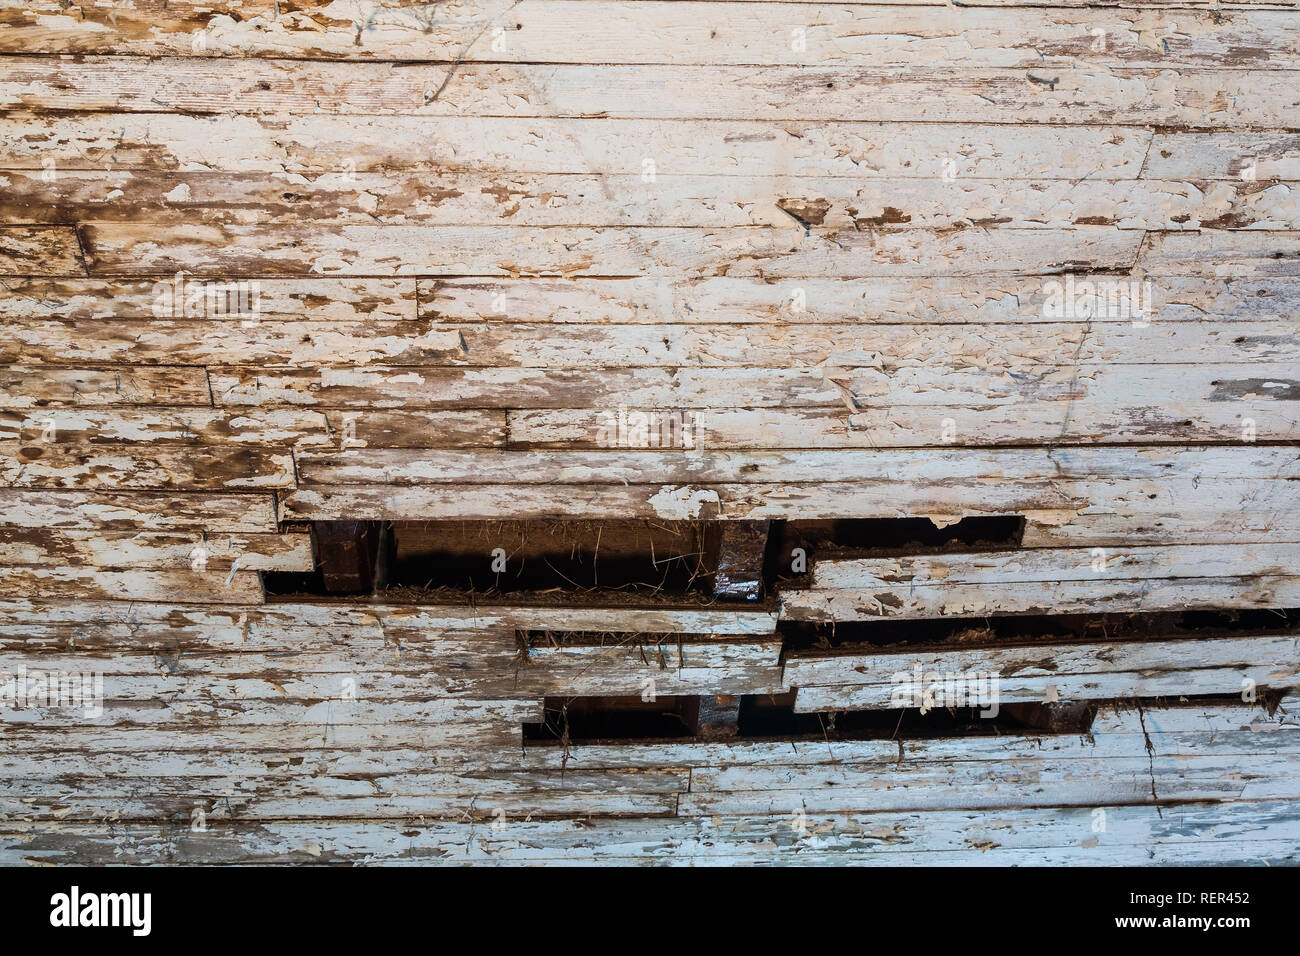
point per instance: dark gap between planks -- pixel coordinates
(740, 561)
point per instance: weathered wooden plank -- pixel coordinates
(637, 668)
(1257, 157)
(441, 659)
(133, 248)
(224, 806)
(888, 346)
(1051, 565)
(469, 428)
(153, 584)
(43, 387)
(1222, 254)
(1126, 782)
(976, 786)
(1075, 469)
(468, 199)
(386, 387)
(1066, 687)
(702, 391)
(524, 345)
(1064, 597)
(1139, 835)
(373, 843)
(476, 667)
(1206, 98)
(128, 752)
(267, 795)
(40, 251)
(320, 298)
(1276, 520)
(861, 301)
(123, 511)
(884, 348)
(819, 499)
(1087, 409)
(1199, 717)
(287, 762)
(656, 32)
(132, 702)
(550, 791)
(303, 620)
(269, 342)
(280, 427)
(873, 781)
(322, 143)
(201, 468)
(140, 550)
(182, 691)
(169, 425)
(1047, 660)
(463, 746)
(467, 803)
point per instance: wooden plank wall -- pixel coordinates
(869, 252)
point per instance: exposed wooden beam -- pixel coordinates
(716, 716)
(740, 560)
(346, 552)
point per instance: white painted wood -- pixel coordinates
(603, 199)
(1047, 659)
(126, 550)
(1203, 98)
(288, 621)
(320, 143)
(115, 248)
(607, 31)
(122, 510)
(1060, 597)
(973, 786)
(1038, 499)
(470, 247)
(858, 301)
(1049, 565)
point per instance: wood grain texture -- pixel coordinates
(883, 349)
(43, 387)
(115, 248)
(711, 32)
(1026, 672)
(1244, 832)
(295, 620)
(1197, 97)
(331, 144)
(602, 199)
(40, 251)
(123, 510)
(267, 264)
(130, 550)
(934, 468)
(860, 301)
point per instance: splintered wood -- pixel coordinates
(420, 414)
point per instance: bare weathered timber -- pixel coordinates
(903, 263)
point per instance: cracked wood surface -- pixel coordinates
(872, 248)
(544, 31)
